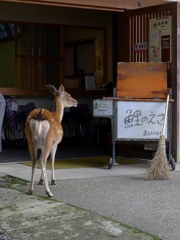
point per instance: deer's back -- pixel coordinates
(41, 123)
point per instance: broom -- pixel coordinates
(159, 168)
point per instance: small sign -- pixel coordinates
(141, 47)
(102, 107)
(165, 50)
(162, 23)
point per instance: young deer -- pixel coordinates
(44, 131)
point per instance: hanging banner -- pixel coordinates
(160, 40)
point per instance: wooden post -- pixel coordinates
(178, 86)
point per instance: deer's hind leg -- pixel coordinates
(53, 152)
(43, 159)
(41, 180)
(34, 163)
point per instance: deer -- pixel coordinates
(44, 132)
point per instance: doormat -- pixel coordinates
(85, 162)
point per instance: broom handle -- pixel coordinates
(165, 117)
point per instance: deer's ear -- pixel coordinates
(61, 88)
(52, 90)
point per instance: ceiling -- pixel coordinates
(113, 5)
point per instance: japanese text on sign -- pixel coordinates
(140, 120)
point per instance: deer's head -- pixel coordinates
(63, 96)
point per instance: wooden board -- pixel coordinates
(141, 80)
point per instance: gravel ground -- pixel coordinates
(151, 206)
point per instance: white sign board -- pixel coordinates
(140, 120)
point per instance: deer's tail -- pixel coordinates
(39, 125)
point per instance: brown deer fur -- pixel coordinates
(44, 131)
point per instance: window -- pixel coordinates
(33, 55)
(7, 50)
(79, 55)
(38, 56)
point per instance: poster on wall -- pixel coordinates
(160, 40)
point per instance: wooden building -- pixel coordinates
(109, 29)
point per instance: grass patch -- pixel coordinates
(8, 181)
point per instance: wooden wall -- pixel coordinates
(133, 28)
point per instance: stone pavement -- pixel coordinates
(93, 203)
(31, 217)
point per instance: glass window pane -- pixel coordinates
(6, 57)
(85, 58)
(69, 61)
(50, 73)
(11, 27)
(27, 73)
(51, 41)
(3, 31)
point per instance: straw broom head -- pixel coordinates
(159, 168)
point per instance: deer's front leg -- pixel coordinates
(41, 179)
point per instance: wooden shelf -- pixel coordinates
(40, 93)
(83, 92)
(17, 92)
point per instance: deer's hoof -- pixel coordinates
(49, 194)
(30, 192)
(40, 182)
(53, 182)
